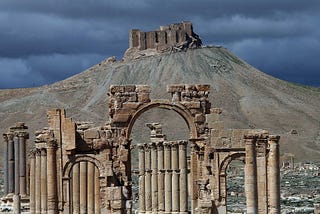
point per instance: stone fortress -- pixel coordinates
(174, 37)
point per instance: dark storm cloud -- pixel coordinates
(45, 41)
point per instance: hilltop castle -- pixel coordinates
(174, 37)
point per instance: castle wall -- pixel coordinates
(163, 38)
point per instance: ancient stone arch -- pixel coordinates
(182, 110)
(65, 144)
(68, 166)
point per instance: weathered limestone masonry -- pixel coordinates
(15, 168)
(78, 168)
(174, 36)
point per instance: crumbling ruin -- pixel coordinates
(77, 168)
(174, 37)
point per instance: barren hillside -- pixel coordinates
(248, 97)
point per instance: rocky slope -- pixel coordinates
(248, 97)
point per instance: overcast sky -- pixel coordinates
(43, 41)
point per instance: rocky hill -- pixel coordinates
(248, 97)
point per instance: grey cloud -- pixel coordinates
(39, 70)
(49, 40)
(291, 60)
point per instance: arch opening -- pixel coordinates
(235, 197)
(164, 126)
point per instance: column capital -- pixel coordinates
(38, 152)
(167, 144)
(174, 143)
(32, 153)
(5, 137)
(153, 145)
(147, 147)
(274, 138)
(10, 136)
(183, 142)
(15, 134)
(140, 146)
(250, 140)
(52, 144)
(159, 144)
(43, 152)
(22, 134)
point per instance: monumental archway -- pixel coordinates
(107, 150)
(127, 103)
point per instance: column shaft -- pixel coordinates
(183, 176)
(167, 177)
(16, 166)
(160, 177)
(194, 176)
(142, 204)
(32, 182)
(6, 163)
(148, 190)
(274, 175)
(97, 191)
(91, 180)
(251, 177)
(11, 164)
(154, 180)
(38, 181)
(262, 175)
(22, 158)
(52, 178)
(44, 181)
(16, 204)
(76, 188)
(175, 177)
(83, 186)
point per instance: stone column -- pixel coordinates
(11, 163)
(175, 176)
(154, 177)
(22, 158)
(261, 146)
(52, 178)
(142, 203)
(32, 179)
(274, 175)
(44, 192)
(148, 189)
(160, 177)
(194, 175)
(183, 176)
(6, 163)
(38, 181)
(251, 175)
(97, 198)
(16, 204)
(16, 196)
(83, 186)
(91, 168)
(16, 165)
(167, 177)
(76, 188)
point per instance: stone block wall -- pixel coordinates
(163, 38)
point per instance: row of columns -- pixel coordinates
(15, 166)
(273, 173)
(15, 163)
(43, 180)
(85, 188)
(163, 185)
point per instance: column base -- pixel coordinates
(16, 204)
